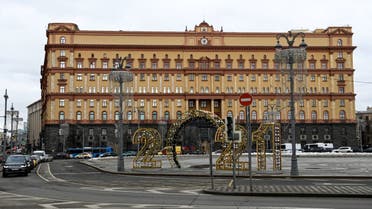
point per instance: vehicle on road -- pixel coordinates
(130, 153)
(15, 164)
(84, 155)
(343, 150)
(36, 159)
(61, 155)
(42, 154)
(369, 149)
(108, 154)
(318, 147)
(287, 147)
(95, 151)
(30, 163)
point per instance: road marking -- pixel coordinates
(47, 172)
(55, 205)
(37, 172)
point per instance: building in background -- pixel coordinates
(203, 69)
(34, 126)
(364, 127)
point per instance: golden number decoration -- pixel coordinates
(150, 140)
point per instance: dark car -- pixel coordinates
(369, 149)
(61, 155)
(15, 164)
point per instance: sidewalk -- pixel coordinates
(320, 167)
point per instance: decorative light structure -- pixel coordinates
(121, 76)
(289, 57)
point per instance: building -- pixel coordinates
(34, 125)
(202, 68)
(364, 127)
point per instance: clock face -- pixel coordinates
(204, 41)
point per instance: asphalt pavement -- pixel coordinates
(311, 166)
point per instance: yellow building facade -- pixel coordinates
(202, 68)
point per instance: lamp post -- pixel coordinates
(5, 130)
(291, 56)
(121, 76)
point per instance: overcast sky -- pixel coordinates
(23, 24)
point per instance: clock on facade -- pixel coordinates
(204, 41)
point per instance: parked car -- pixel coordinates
(15, 164)
(369, 149)
(342, 150)
(108, 154)
(130, 153)
(61, 155)
(83, 155)
(42, 154)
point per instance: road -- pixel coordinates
(69, 184)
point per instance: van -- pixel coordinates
(318, 147)
(287, 147)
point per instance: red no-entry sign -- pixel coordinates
(245, 99)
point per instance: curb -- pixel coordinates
(285, 194)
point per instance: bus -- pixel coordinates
(95, 151)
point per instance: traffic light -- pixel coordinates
(229, 128)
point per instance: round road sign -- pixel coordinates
(245, 99)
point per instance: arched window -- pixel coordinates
(191, 89)
(342, 115)
(325, 115)
(78, 115)
(339, 42)
(229, 113)
(154, 115)
(179, 114)
(129, 115)
(104, 115)
(302, 115)
(61, 115)
(254, 115)
(62, 40)
(117, 115)
(313, 115)
(241, 115)
(142, 115)
(166, 115)
(206, 90)
(91, 115)
(202, 90)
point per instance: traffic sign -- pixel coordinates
(245, 99)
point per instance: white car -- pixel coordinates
(342, 150)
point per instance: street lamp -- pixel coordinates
(121, 76)
(289, 57)
(5, 130)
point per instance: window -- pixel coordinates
(142, 103)
(179, 77)
(203, 104)
(341, 90)
(179, 103)
(313, 115)
(253, 77)
(117, 115)
(325, 103)
(154, 103)
(191, 104)
(104, 65)
(340, 65)
(142, 65)
(241, 65)
(78, 103)
(62, 53)
(302, 115)
(229, 65)
(241, 77)
(204, 77)
(92, 65)
(104, 103)
(79, 65)
(129, 115)
(142, 76)
(62, 64)
(91, 115)
(324, 77)
(216, 104)
(154, 65)
(191, 77)
(324, 65)
(339, 42)
(61, 102)
(92, 77)
(78, 115)
(342, 103)
(229, 103)
(254, 115)
(166, 115)
(313, 103)
(325, 115)
(229, 77)
(61, 115)
(178, 65)
(217, 78)
(104, 115)
(91, 103)
(154, 115)
(253, 65)
(62, 40)
(342, 115)
(179, 114)
(312, 77)
(265, 77)
(91, 132)
(116, 103)
(166, 77)
(154, 77)
(265, 65)
(312, 66)
(241, 115)
(166, 65)
(62, 89)
(79, 77)
(105, 77)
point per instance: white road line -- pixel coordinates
(52, 205)
(37, 172)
